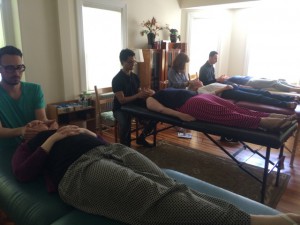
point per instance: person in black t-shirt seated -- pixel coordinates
(126, 86)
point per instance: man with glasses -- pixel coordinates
(126, 86)
(21, 103)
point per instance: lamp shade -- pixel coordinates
(139, 57)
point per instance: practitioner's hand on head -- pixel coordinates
(149, 91)
(52, 124)
(222, 78)
(201, 83)
(195, 84)
(32, 128)
(145, 93)
(228, 87)
(165, 82)
(34, 123)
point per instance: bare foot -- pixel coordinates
(292, 218)
(292, 105)
(280, 219)
(292, 117)
(276, 115)
(274, 124)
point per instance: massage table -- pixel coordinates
(279, 110)
(268, 139)
(30, 204)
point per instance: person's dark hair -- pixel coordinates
(125, 54)
(10, 50)
(212, 53)
(179, 62)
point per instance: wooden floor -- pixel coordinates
(290, 201)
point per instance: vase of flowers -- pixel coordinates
(173, 34)
(151, 39)
(151, 29)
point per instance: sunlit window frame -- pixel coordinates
(115, 5)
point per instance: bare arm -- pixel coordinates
(222, 78)
(156, 106)
(142, 94)
(219, 91)
(40, 114)
(11, 132)
(194, 84)
(26, 130)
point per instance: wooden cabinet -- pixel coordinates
(151, 71)
(157, 63)
(178, 45)
(169, 58)
(71, 112)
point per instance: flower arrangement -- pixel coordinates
(151, 26)
(173, 32)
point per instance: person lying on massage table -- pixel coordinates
(117, 182)
(248, 81)
(189, 106)
(248, 94)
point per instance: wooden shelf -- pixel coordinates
(71, 112)
(157, 63)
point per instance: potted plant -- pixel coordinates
(173, 34)
(151, 29)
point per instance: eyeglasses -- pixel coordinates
(131, 62)
(12, 68)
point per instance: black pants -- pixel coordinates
(257, 95)
(124, 124)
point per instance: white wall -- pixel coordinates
(49, 43)
(41, 45)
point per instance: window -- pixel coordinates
(208, 31)
(2, 40)
(9, 24)
(273, 42)
(102, 35)
(269, 39)
(201, 43)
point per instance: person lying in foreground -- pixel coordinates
(189, 106)
(117, 182)
(236, 92)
